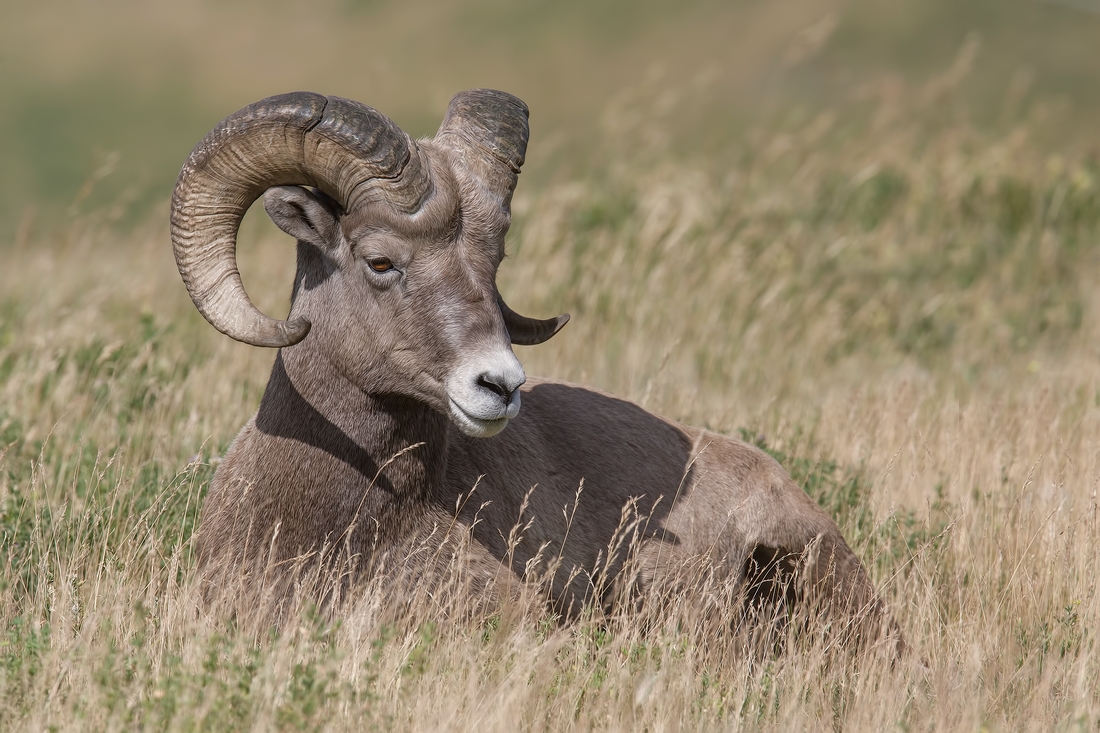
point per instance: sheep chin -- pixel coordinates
(473, 426)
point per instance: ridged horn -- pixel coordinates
(489, 130)
(346, 149)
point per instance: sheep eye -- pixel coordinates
(380, 264)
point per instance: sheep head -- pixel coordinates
(399, 244)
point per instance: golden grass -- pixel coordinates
(907, 317)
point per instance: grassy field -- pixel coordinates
(894, 295)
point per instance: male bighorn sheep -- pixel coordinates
(395, 391)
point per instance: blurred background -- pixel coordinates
(101, 102)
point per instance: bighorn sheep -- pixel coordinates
(395, 391)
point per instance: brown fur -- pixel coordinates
(351, 457)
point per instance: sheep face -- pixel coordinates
(408, 305)
(397, 257)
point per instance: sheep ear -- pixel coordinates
(308, 216)
(524, 331)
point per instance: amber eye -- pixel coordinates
(380, 264)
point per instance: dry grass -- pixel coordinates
(906, 318)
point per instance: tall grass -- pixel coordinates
(905, 316)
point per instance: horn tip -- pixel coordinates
(267, 332)
(295, 330)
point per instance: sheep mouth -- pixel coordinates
(474, 426)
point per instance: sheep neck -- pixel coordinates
(396, 442)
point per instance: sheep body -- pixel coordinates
(390, 434)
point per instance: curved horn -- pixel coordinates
(489, 130)
(529, 331)
(348, 150)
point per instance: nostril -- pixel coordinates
(487, 383)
